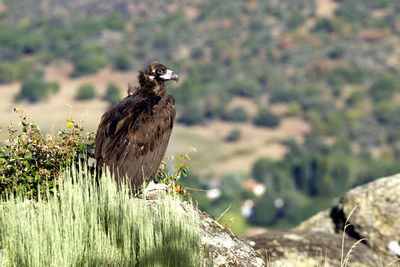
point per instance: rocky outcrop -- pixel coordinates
(372, 210)
(321, 221)
(226, 248)
(222, 246)
(376, 216)
(310, 248)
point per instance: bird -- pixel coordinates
(132, 136)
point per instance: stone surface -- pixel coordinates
(318, 240)
(224, 247)
(310, 248)
(154, 191)
(321, 221)
(376, 216)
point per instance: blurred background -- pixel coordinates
(289, 102)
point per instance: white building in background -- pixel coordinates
(247, 208)
(213, 193)
(257, 188)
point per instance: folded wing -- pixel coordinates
(133, 136)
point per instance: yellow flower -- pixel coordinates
(70, 125)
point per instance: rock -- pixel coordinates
(321, 221)
(375, 218)
(318, 240)
(310, 248)
(155, 191)
(224, 247)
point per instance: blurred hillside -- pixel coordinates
(300, 96)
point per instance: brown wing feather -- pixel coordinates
(133, 136)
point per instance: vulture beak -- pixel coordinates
(170, 75)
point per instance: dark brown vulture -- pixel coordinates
(133, 135)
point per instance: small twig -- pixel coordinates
(225, 211)
(196, 189)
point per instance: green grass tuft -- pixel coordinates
(97, 225)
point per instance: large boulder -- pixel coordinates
(222, 246)
(310, 248)
(226, 248)
(377, 212)
(322, 221)
(376, 216)
(372, 210)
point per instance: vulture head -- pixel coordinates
(156, 73)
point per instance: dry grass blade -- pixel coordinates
(225, 211)
(394, 262)
(345, 259)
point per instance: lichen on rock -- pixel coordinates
(376, 216)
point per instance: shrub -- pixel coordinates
(284, 96)
(234, 135)
(88, 65)
(114, 21)
(191, 116)
(323, 25)
(87, 26)
(113, 94)
(35, 89)
(30, 159)
(291, 210)
(86, 92)
(350, 75)
(296, 20)
(88, 59)
(294, 109)
(96, 224)
(213, 107)
(265, 212)
(266, 118)
(189, 91)
(245, 88)
(164, 40)
(197, 52)
(32, 42)
(123, 60)
(261, 169)
(355, 98)
(384, 87)
(337, 52)
(236, 114)
(325, 186)
(8, 72)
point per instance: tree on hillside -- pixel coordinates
(113, 94)
(35, 89)
(86, 92)
(266, 118)
(384, 87)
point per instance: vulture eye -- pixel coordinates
(160, 71)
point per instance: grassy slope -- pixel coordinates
(88, 225)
